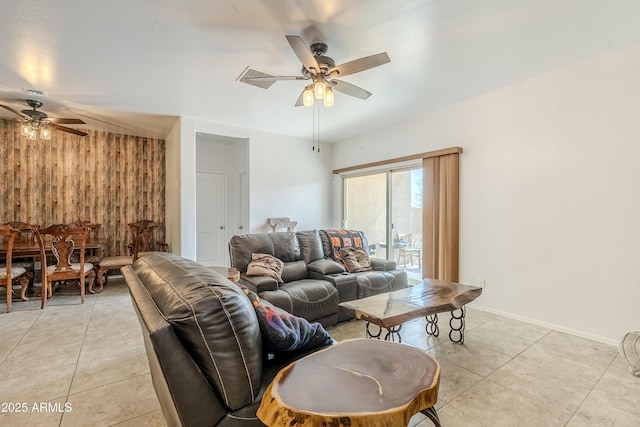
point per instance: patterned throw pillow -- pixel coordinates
(265, 265)
(355, 259)
(284, 332)
(343, 239)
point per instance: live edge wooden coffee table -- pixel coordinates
(426, 299)
(355, 383)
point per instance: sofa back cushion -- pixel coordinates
(282, 245)
(310, 245)
(296, 270)
(213, 319)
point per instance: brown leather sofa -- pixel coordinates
(203, 342)
(314, 283)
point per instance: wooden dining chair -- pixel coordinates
(65, 238)
(10, 273)
(93, 232)
(409, 251)
(144, 239)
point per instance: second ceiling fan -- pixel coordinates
(38, 120)
(321, 70)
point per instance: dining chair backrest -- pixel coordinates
(144, 239)
(65, 238)
(92, 228)
(11, 231)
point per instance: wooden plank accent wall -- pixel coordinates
(106, 178)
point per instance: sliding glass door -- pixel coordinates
(387, 207)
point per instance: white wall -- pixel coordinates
(286, 179)
(550, 213)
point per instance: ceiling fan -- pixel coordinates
(321, 70)
(35, 120)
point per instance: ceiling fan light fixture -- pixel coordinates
(31, 135)
(328, 97)
(319, 89)
(45, 133)
(26, 130)
(307, 96)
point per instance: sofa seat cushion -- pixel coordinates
(213, 319)
(308, 298)
(377, 282)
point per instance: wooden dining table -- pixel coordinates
(29, 248)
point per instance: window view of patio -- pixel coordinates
(387, 207)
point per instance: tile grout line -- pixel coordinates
(592, 389)
(75, 369)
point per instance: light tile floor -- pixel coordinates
(508, 373)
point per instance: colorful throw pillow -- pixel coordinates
(283, 332)
(343, 239)
(355, 259)
(265, 265)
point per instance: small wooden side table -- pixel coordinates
(357, 383)
(228, 272)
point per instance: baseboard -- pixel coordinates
(548, 325)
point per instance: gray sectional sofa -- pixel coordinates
(314, 280)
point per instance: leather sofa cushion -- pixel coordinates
(282, 245)
(294, 271)
(259, 283)
(310, 245)
(213, 319)
(308, 298)
(377, 282)
(326, 266)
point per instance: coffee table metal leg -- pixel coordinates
(432, 325)
(368, 330)
(457, 325)
(432, 415)
(391, 334)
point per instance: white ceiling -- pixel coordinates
(142, 63)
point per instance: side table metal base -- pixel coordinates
(432, 415)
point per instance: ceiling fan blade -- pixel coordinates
(274, 78)
(361, 64)
(350, 89)
(299, 102)
(16, 112)
(69, 130)
(66, 121)
(303, 53)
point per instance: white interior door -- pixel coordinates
(211, 218)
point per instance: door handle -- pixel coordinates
(222, 227)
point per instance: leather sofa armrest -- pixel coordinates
(382, 264)
(325, 267)
(259, 284)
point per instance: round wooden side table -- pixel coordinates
(228, 272)
(357, 383)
